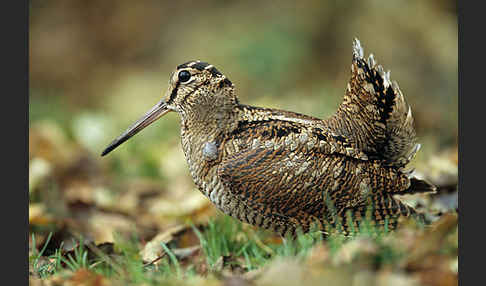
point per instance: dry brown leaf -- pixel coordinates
(442, 168)
(102, 250)
(48, 141)
(237, 281)
(35, 281)
(351, 249)
(435, 270)
(282, 272)
(176, 208)
(430, 241)
(386, 278)
(38, 215)
(79, 191)
(153, 249)
(57, 279)
(183, 254)
(101, 226)
(319, 254)
(39, 170)
(85, 277)
(293, 272)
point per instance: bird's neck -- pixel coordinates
(202, 136)
(203, 122)
(206, 124)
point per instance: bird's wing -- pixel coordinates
(284, 128)
(293, 178)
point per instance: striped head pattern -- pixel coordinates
(197, 83)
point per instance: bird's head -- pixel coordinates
(196, 91)
(197, 84)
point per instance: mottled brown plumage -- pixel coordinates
(282, 170)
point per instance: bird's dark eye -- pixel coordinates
(184, 76)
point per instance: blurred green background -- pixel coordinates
(97, 66)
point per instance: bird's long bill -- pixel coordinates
(152, 115)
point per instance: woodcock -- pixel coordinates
(282, 170)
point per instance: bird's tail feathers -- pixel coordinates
(374, 113)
